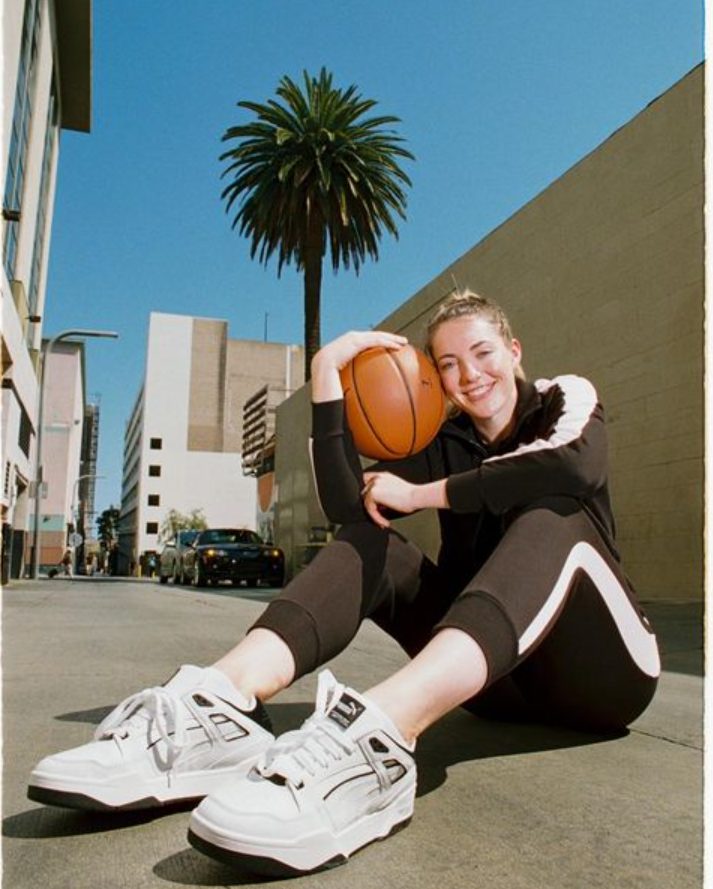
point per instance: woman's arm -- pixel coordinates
(335, 462)
(326, 364)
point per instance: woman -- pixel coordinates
(526, 614)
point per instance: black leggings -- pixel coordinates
(562, 633)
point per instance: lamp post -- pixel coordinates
(39, 478)
(75, 511)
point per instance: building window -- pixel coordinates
(154, 469)
(19, 134)
(156, 444)
(152, 527)
(23, 438)
(154, 500)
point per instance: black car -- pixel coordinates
(233, 554)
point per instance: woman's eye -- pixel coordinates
(446, 365)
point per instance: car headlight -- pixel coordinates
(212, 553)
(275, 553)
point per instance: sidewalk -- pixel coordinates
(499, 806)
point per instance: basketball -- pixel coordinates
(393, 401)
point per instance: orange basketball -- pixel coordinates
(393, 401)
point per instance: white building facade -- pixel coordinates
(183, 441)
(46, 48)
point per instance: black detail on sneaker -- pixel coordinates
(258, 714)
(256, 864)
(202, 701)
(66, 800)
(271, 867)
(395, 770)
(346, 711)
(280, 780)
(368, 774)
(378, 746)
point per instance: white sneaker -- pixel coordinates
(317, 795)
(167, 744)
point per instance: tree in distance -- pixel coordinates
(176, 521)
(312, 173)
(108, 526)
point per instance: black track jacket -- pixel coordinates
(557, 448)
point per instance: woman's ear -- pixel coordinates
(516, 351)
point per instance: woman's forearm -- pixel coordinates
(326, 385)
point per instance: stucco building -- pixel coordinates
(602, 274)
(46, 50)
(183, 441)
(63, 437)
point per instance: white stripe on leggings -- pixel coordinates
(638, 640)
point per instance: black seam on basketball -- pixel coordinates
(410, 398)
(368, 418)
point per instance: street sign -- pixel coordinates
(75, 539)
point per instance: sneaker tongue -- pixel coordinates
(346, 710)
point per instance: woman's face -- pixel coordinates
(477, 368)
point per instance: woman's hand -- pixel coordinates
(327, 363)
(384, 489)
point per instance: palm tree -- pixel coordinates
(311, 172)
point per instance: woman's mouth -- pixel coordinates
(474, 393)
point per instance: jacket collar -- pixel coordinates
(461, 426)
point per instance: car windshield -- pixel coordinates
(187, 536)
(228, 535)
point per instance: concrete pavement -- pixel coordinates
(499, 806)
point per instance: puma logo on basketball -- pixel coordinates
(346, 711)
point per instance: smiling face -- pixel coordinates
(478, 368)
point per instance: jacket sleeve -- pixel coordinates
(569, 459)
(337, 468)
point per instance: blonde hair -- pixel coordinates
(463, 303)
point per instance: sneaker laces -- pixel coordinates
(313, 747)
(159, 706)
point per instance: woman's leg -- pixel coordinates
(365, 572)
(556, 624)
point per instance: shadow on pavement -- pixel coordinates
(44, 822)
(93, 717)
(462, 737)
(190, 868)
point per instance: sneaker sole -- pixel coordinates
(264, 866)
(67, 800)
(111, 798)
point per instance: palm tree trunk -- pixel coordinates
(312, 257)
(313, 286)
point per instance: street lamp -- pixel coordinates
(75, 511)
(109, 334)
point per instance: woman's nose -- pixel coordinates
(469, 371)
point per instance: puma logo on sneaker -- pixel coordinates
(346, 711)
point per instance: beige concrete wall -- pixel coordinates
(207, 388)
(224, 374)
(602, 275)
(250, 365)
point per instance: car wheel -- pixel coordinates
(199, 578)
(163, 578)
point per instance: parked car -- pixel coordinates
(233, 554)
(171, 559)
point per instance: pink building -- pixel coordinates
(64, 410)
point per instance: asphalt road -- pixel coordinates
(499, 806)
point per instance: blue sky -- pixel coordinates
(497, 98)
